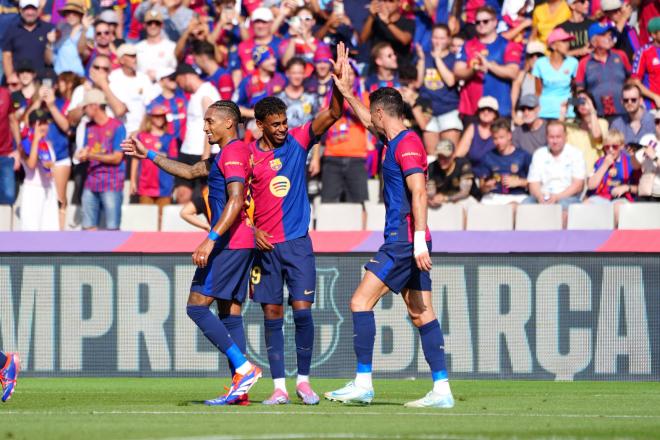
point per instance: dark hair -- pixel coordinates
(488, 9)
(269, 106)
(500, 124)
(229, 108)
(461, 34)
(389, 99)
(202, 47)
(442, 26)
(295, 61)
(407, 73)
(582, 91)
(630, 86)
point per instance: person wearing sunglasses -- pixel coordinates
(578, 26)
(155, 52)
(637, 122)
(302, 42)
(617, 13)
(103, 37)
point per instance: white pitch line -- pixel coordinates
(329, 413)
(337, 435)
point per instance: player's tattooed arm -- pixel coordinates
(182, 170)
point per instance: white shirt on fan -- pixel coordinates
(135, 92)
(556, 173)
(155, 56)
(193, 144)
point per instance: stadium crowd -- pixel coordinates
(554, 102)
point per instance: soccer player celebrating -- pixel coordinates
(281, 217)
(9, 374)
(403, 263)
(224, 258)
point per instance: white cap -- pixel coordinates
(263, 14)
(25, 3)
(610, 5)
(126, 49)
(163, 72)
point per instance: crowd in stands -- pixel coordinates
(554, 102)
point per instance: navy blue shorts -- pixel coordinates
(291, 261)
(226, 274)
(395, 265)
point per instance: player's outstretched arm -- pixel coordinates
(235, 203)
(133, 147)
(326, 118)
(417, 185)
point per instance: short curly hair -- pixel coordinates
(269, 106)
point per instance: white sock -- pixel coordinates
(280, 384)
(243, 369)
(302, 378)
(441, 387)
(363, 380)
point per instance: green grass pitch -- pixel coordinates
(171, 409)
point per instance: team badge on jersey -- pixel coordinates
(279, 186)
(275, 164)
(514, 168)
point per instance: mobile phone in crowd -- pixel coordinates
(47, 82)
(338, 7)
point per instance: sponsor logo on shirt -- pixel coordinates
(234, 163)
(411, 153)
(275, 164)
(279, 186)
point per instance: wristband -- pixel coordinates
(213, 236)
(151, 155)
(419, 243)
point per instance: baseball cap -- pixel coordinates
(39, 115)
(153, 15)
(654, 25)
(126, 49)
(157, 110)
(24, 66)
(610, 5)
(28, 3)
(444, 148)
(322, 54)
(488, 102)
(164, 72)
(656, 114)
(93, 96)
(184, 69)
(535, 47)
(528, 100)
(599, 29)
(262, 14)
(559, 34)
(108, 16)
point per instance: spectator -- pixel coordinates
(467, 10)
(487, 64)
(302, 42)
(9, 156)
(156, 51)
(457, 43)
(152, 185)
(525, 82)
(338, 28)
(23, 98)
(603, 72)
(204, 56)
(175, 100)
(195, 145)
(320, 82)
(611, 179)
(477, 138)
(191, 211)
(227, 29)
(586, 131)
(386, 24)
(197, 31)
(547, 16)
(578, 26)
(386, 68)
(617, 13)
(65, 48)
(637, 122)
(506, 168)
(451, 179)
(28, 39)
(301, 106)
(649, 159)
(554, 75)
(39, 196)
(647, 66)
(648, 10)
(438, 88)
(241, 61)
(516, 20)
(103, 37)
(133, 88)
(557, 173)
(115, 24)
(265, 81)
(105, 176)
(13, 83)
(176, 15)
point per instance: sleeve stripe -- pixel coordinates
(410, 171)
(235, 179)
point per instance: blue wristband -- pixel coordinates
(213, 236)
(151, 155)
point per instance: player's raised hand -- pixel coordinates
(132, 147)
(342, 56)
(200, 257)
(343, 81)
(262, 240)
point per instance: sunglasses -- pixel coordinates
(657, 121)
(98, 34)
(478, 22)
(527, 109)
(630, 100)
(13, 84)
(104, 68)
(611, 146)
(579, 1)
(154, 23)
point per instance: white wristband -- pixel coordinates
(419, 243)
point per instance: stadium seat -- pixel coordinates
(373, 188)
(639, 216)
(590, 216)
(339, 217)
(172, 221)
(5, 217)
(448, 217)
(538, 218)
(142, 218)
(490, 218)
(375, 216)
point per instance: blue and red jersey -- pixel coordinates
(231, 164)
(105, 139)
(252, 90)
(403, 156)
(619, 173)
(372, 83)
(152, 181)
(176, 117)
(500, 51)
(279, 185)
(646, 68)
(222, 81)
(45, 152)
(241, 57)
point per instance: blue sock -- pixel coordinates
(304, 339)
(215, 331)
(275, 346)
(364, 336)
(234, 324)
(3, 360)
(433, 344)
